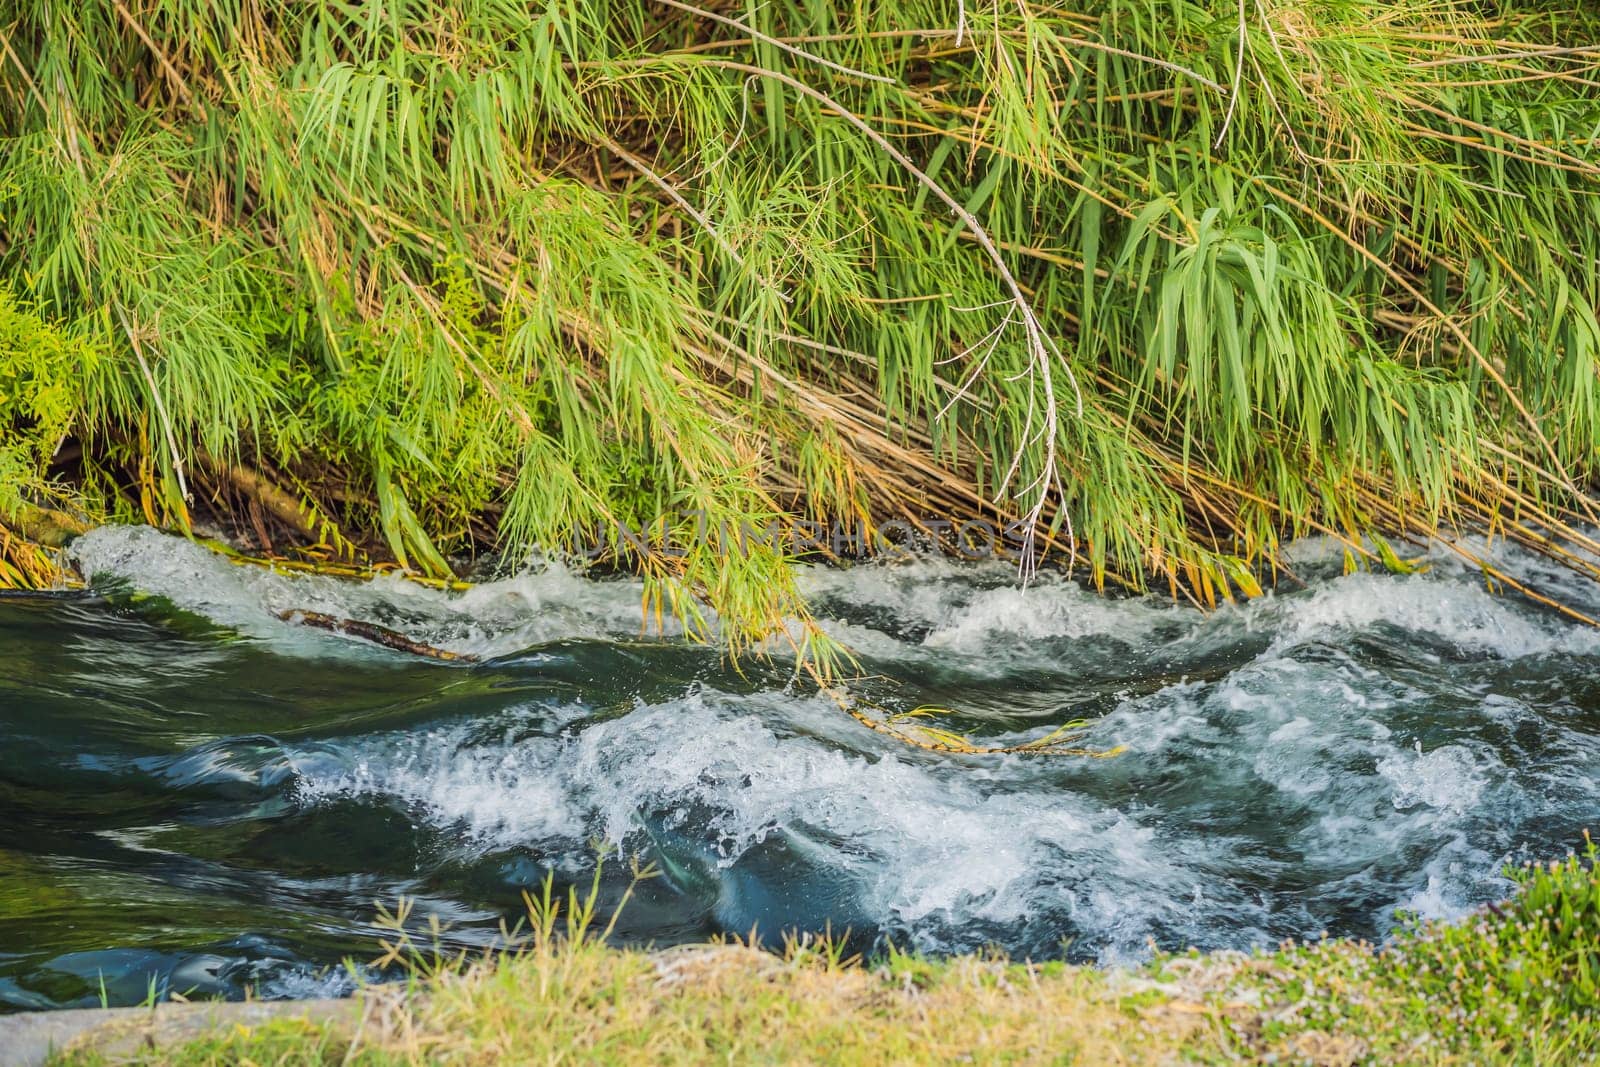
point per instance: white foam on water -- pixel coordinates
(1455, 863)
(303, 982)
(1048, 608)
(1316, 550)
(1454, 609)
(497, 797)
(1448, 779)
(934, 849)
(946, 856)
(917, 591)
(489, 619)
(1320, 754)
(976, 616)
(975, 613)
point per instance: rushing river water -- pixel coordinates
(197, 797)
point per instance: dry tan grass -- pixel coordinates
(727, 1003)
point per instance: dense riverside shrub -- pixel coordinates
(1164, 280)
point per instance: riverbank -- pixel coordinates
(1513, 983)
(1148, 290)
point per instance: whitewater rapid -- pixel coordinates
(1323, 758)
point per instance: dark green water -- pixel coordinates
(196, 797)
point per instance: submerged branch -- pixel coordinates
(371, 631)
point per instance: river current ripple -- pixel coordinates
(201, 798)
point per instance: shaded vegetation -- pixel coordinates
(1513, 984)
(1166, 280)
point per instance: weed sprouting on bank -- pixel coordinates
(1511, 984)
(1166, 280)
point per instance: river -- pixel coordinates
(197, 797)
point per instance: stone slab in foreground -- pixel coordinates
(28, 1039)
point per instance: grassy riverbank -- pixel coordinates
(1164, 282)
(1514, 983)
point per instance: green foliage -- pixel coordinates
(1513, 983)
(1177, 279)
(41, 376)
(1532, 964)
